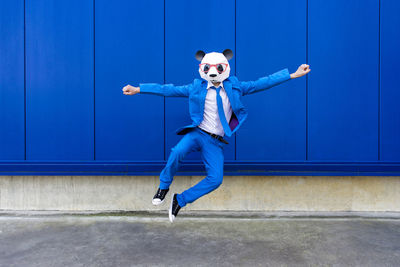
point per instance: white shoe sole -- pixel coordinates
(157, 201)
(171, 216)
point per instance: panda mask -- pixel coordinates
(214, 67)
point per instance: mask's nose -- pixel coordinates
(213, 75)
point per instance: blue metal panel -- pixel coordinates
(271, 35)
(390, 86)
(190, 26)
(68, 112)
(59, 85)
(12, 125)
(343, 86)
(129, 47)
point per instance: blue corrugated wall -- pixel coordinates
(63, 64)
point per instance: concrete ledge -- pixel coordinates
(237, 193)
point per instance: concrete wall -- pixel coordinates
(250, 193)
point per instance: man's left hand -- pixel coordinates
(301, 71)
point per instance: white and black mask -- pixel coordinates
(214, 67)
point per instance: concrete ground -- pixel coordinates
(150, 240)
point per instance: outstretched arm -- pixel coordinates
(273, 80)
(158, 89)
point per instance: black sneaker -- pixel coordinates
(159, 196)
(173, 208)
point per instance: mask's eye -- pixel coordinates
(221, 68)
(206, 68)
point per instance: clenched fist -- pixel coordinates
(301, 71)
(130, 90)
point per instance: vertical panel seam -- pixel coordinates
(24, 80)
(165, 137)
(94, 82)
(307, 61)
(379, 82)
(235, 75)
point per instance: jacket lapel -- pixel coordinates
(234, 122)
(228, 90)
(203, 94)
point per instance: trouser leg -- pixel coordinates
(187, 144)
(213, 158)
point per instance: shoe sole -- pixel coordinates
(157, 203)
(171, 217)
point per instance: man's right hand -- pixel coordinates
(130, 90)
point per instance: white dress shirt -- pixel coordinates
(211, 122)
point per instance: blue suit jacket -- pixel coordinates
(197, 92)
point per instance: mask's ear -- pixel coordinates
(228, 54)
(199, 55)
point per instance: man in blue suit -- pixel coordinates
(216, 110)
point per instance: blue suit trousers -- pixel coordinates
(212, 155)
